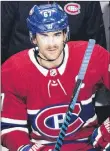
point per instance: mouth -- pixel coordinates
(52, 49)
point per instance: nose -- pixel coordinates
(51, 41)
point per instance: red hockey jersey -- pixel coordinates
(41, 96)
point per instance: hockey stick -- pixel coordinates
(76, 91)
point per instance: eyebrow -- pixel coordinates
(59, 32)
(45, 34)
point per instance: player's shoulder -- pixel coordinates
(17, 60)
(77, 44)
(77, 47)
(80, 46)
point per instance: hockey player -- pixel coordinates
(42, 103)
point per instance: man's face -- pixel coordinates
(50, 44)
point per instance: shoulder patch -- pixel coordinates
(72, 8)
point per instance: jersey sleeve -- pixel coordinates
(104, 65)
(14, 114)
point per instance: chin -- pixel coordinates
(52, 59)
(54, 56)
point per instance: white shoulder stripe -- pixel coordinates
(13, 121)
(14, 129)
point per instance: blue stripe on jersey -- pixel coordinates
(10, 125)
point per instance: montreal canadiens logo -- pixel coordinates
(48, 121)
(72, 8)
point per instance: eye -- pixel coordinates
(58, 34)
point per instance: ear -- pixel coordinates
(34, 41)
(65, 36)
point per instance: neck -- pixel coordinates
(51, 64)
